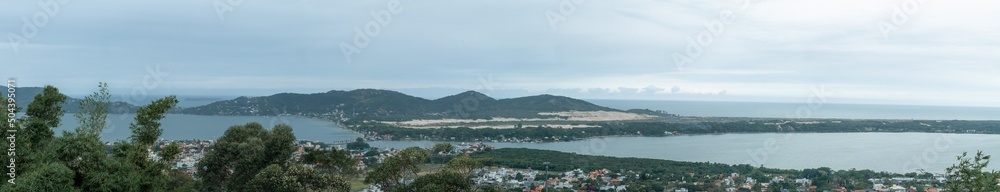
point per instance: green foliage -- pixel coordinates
(93, 111)
(169, 152)
(402, 165)
(442, 148)
(182, 182)
(146, 128)
(333, 162)
(79, 161)
(466, 165)
(439, 182)
(968, 174)
(358, 144)
(42, 115)
(275, 178)
(48, 177)
(241, 153)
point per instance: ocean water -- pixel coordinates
(802, 110)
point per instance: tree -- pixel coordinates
(79, 161)
(358, 144)
(132, 157)
(169, 152)
(241, 152)
(93, 113)
(465, 164)
(146, 128)
(42, 115)
(395, 168)
(411, 159)
(968, 174)
(49, 177)
(440, 181)
(275, 178)
(182, 182)
(82, 150)
(442, 147)
(334, 161)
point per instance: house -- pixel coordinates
(802, 181)
(897, 188)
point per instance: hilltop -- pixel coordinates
(25, 95)
(386, 105)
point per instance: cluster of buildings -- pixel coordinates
(194, 150)
(191, 152)
(527, 180)
(734, 182)
(507, 178)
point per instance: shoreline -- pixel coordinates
(690, 135)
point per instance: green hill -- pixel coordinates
(25, 95)
(374, 104)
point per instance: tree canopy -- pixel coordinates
(968, 174)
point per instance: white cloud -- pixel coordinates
(945, 52)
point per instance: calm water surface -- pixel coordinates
(894, 152)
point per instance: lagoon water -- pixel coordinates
(893, 152)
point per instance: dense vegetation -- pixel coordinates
(246, 158)
(78, 160)
(371, 104)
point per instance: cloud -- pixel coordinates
(775, 48)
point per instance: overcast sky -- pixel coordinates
(855, 51)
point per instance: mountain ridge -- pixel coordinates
(378, 104)
(25, 95)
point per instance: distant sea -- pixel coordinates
(827, 110)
